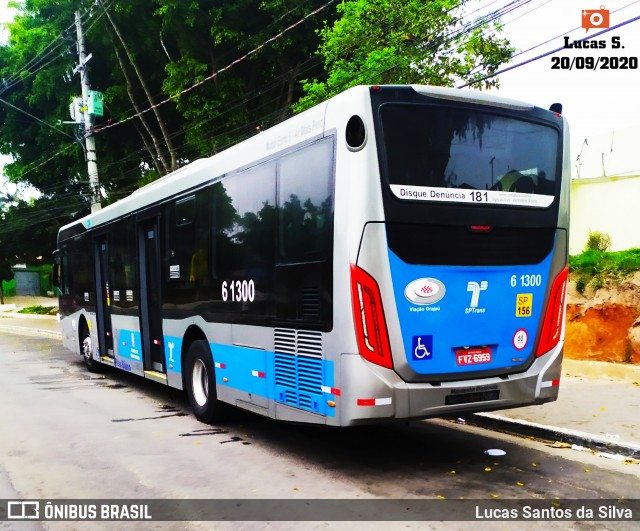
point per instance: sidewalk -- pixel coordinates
(598, 407)
(11, 320)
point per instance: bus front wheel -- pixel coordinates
(87, 351)
(201, 385)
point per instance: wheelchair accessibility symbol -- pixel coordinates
(422, 348)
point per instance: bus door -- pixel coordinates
(150, 296)
(103, 302)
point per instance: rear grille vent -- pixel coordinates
(299, 369)
(290, 341)
(285, 340)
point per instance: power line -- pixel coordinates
(58, 44)
(246, 99)
(467, 27)
(589, 37)
(5, 102)
(226, 132)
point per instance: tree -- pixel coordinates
(186, 79)
(405, 42)
(146, 58)
(203, 38)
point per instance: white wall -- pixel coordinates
(605, 204)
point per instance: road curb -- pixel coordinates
(35, 317)
(526, 428)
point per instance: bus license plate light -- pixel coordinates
(473, 356)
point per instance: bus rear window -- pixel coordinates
(458, 155)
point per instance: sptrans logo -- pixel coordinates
(475, 288)
(595, 18)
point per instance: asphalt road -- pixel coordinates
(66, 433)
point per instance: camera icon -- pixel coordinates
(595, 18)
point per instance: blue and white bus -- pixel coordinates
(395, 252)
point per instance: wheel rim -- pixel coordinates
(200, 383)
(86, 348)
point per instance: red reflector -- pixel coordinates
(552, 383)
(481, 228)
(552, 324)
(369, 320)
(366, 401)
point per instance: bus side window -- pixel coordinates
(123, 265)
(305, 204)
(183, 245)
(60, 273)
(245, 223)
(57, 269)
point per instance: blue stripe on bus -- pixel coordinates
(294, 380)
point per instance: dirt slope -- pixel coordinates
(605, 325)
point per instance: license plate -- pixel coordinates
(473, 356)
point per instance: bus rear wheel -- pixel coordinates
(201, 385)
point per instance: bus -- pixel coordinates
(396, 252)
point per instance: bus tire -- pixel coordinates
(201, 385)
(87, 352)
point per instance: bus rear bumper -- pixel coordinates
(389, 397)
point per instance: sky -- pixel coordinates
(601, 105)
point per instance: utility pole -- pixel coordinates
(90, 141)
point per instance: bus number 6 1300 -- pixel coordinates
(238, 291)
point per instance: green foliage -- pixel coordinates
(403, 42)
(219, 73)
(598, 241)
(39, 310)
(597, 282)
(173, 45)
(593, 268)
(9, 288)
(28, 232)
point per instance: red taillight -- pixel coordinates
(553, 323)
(368, 314)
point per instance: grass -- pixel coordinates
(39, 310)
(593, 268)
